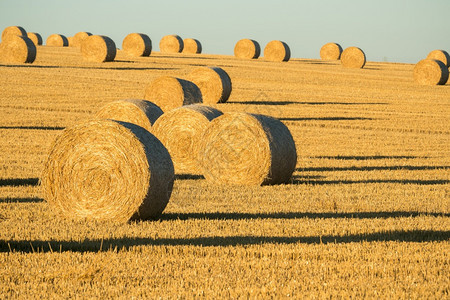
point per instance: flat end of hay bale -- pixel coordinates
(430, 72)
(331, 51)
(277, 51)
(57, 40)
(171, 44)
(98, 48)
(192, 46)
(137, 44)
(78, 38)
(13, 30)
(17, 49)
(440, 55)
(36, 38)
(353, 57)
(247, 49)
(213, 82)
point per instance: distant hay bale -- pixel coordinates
(13, 30)
(140, 112)
(98, 48)
(430, 72)
(277, 51)
(70, 41)
(441, 55)
(79, 37)
(213, 82)
(17, 49)
(171, 44)
(36, 38)
(107, 170)
(247, 149)
(170, 92)
(192, 46)
(331, 51)
(57, 40)
(248, 49)
(137, 44)
(180, 131)
(353, 57)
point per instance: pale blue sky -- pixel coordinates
(396, 30)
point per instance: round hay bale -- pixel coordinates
(192, 46)
(17, 49)
(213, 82)
(140, 112)
(441, 55)
(137, 44)
(108, 170)
(79, 37)
(170, 92)
(70, 41)
(57, 40)
(171, 44)
(353, 57)
(180, 130)
(247, 149)
(248, 49)
(430, 72)
(98, 48)
(36, 38)
(13, 30)
(331, 51)
(277, 51)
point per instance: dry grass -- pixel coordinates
(366, 213)
(17, 49)
(98, 48)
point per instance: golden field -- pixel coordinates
(367, 212)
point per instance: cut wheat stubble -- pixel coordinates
(17, 49)
(247, 49)
(192, 46)
(353, 57)
(430, 72)
(137, 44)
(171, 44)
(98, 48)
(331, 51)
(213, 82)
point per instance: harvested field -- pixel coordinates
(365, 214)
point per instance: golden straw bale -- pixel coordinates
(277, 51)
(13, 30)
(36, 38)
(140, 112)
(441, 55)
(430, 72)
(213, 82)
(353, 57)
(248, 49)
(171, 44)
(107, 170)
(137, 44)
(17, 49)
(180, 131)
(79, 37)
(192, 46)
(170, 92)
(331, 51)
(70, 41)
(57, 40)
(98, 48)
(247, 149)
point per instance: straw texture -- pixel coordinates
(17, 49)
(78, 38)
(13, 30)
(353, 57)
(192, 46)
(140, 112)
(108, 170)
(213, 82)
(180, 130)
(331, 51)
(170, 92)
(247, 149)
(247, 49)
(137, 44)
(441, 55)
(171, 44)
(430, 72)
(277, 51)
(98, 48)
(57, 40)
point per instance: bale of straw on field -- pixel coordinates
(13, 30)
(192, 46)
(441, 55)
(170, 92)
(247, 149)
(136, 111)
(137, 44)
(17, 49)
(353, 57)
(98, 48)
(36, 38)
(57, 40)
(248, 49)
(331, 51)
(70, 41)
(213, 82)
(430, 72)
(79, 37)
(171, 44)
(107, 170)
(180, 131)
(277, 51)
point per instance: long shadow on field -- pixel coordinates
(19, 181)
(343, 103)
(416, 236)
(326, 119)
(372, 157)
(365, 181)
(372, 168)
(21, 200)
(263, 102)
(32, 127)
(107, 67)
